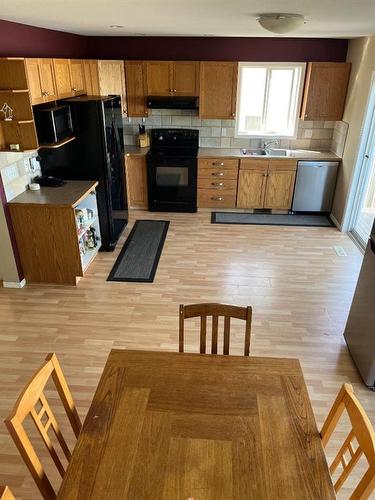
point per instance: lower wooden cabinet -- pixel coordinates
(136, 181)
(217, 182)
(266, 184)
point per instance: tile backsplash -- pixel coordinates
(314, 135)
(17, 172)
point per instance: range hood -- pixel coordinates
(172, 102)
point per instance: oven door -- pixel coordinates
(172, 184)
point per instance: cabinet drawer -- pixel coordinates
(208, 198)
(222, 163)
(252, 163)
(282, 165)
(218, 184)
(217, 173)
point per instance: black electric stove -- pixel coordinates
(172, 170)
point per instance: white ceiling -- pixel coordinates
(325, 18)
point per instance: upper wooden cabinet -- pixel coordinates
(41, 80)
(63, 78)
(172, 78)
(90, 67)
(112, 80)
(218, 89)
(325, 91)
(135, 88)
(77, 77)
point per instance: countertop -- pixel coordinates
(68, 195)
(297, 154)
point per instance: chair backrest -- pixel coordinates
(5, 493)
(31, 396)
(215, 311)
(362, 431)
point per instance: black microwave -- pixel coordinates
(53, 123)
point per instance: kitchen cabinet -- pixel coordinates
(77, 77)
(266, 184)
(52, 229)
(217, 182)
(63, 78)
(136, 88)
(169, 78)
(15, 91)
(136, 181)
(325, 91)
(112, 80)
(90, 67)
(218, 89)
(41, 78)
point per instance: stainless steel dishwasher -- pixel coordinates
(315, 186)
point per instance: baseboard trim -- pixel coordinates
(14, 284)
(336, 222)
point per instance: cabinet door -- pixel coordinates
(47, 78)
(112, 80)
(325, 91)
(88, 80)
(78, 77)
(251, 188)
(63, 78)
(279, 189)
(136, 181)
(185, 77)
(35, 84)
(218, 89)
(135, 88)
(94, 73)
(159, 78)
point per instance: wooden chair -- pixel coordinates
(362, 431)
(5, 493)
(215, 310)
(33, 395)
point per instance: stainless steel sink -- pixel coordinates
(264, 152)
(277, 152)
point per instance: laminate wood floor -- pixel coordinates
(299, 288)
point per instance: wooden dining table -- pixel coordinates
(184, 426)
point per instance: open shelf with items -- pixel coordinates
(14, 91)
(88, 229)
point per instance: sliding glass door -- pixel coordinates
(363, 214)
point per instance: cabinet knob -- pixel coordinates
(216, 198)
(233, 114)
(217, 184)
(218, 164)
(74, 89)
(218, 174)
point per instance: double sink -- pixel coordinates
(265, 152)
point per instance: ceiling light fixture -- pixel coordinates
(116, 26)
(281, 23)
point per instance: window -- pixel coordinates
(269, 99)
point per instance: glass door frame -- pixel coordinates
(361, 171)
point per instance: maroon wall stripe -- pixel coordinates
(12, 236)
(22, 40)
(215, 49)
(29, 41)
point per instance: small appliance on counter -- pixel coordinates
(53, 123)
(172, 170)
(143, 137)
(47, 180)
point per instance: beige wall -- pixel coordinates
(8, 268)
(361, 54)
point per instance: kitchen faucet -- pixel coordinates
(267, 145)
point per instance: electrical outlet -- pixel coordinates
(223, 132)
(34, 164)
(307, 134)
(26, 164)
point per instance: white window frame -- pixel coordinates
(296, 111)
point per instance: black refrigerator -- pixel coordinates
(95, 154)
